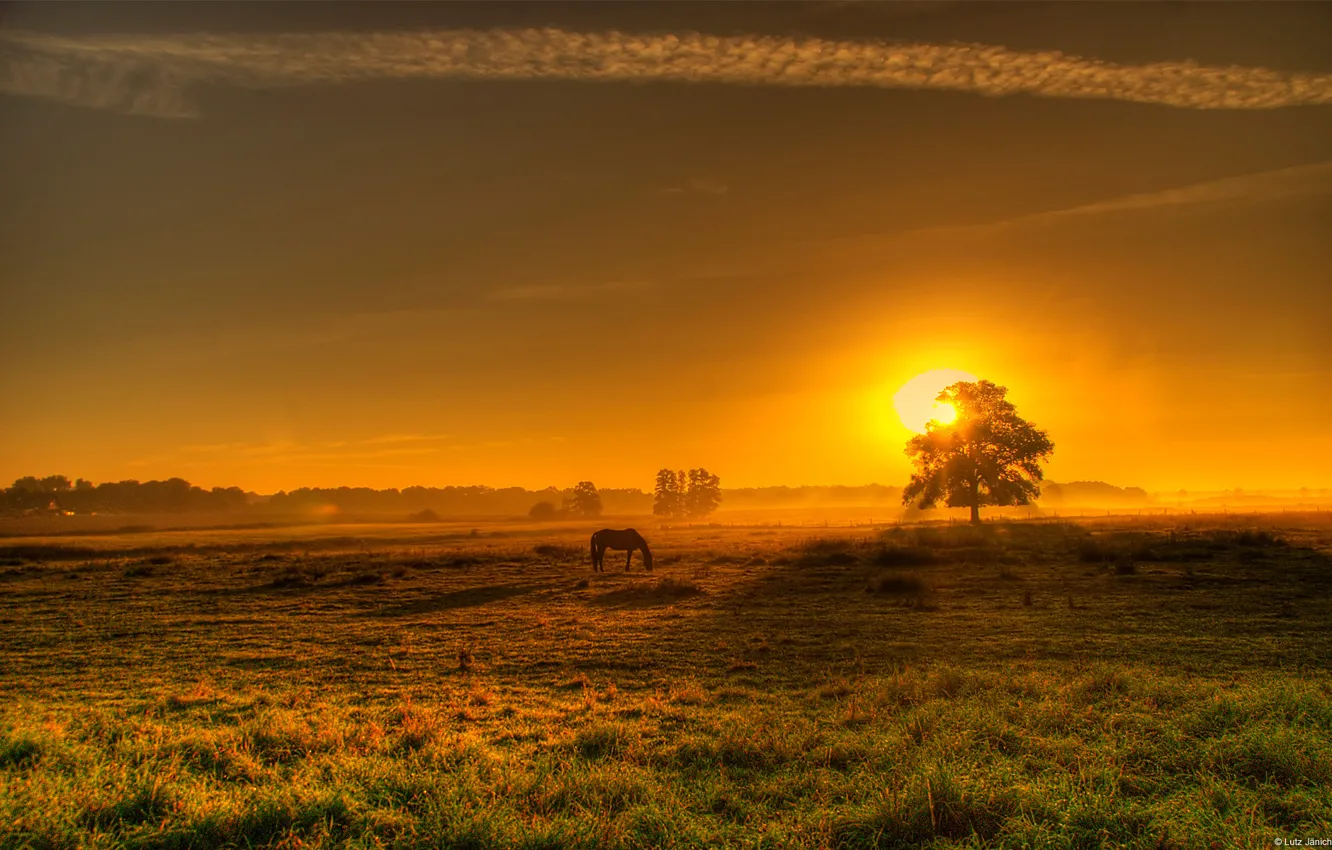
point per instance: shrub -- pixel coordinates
(290, 578)
(1093, 551)
(48, 553)
(896, 584)
(904, 556)
(543, 512)
(828, 552)
(1258, 538)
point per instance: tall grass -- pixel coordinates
(748, 693)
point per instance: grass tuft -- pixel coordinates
(602, 740)
(559, 552)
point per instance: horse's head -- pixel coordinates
(647, 558)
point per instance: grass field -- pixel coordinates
(1153, 683)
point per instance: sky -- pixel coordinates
(308, 244)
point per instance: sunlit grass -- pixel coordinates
(1008, 686)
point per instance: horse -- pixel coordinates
(611, 538)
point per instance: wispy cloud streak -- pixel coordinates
(113, 81)
(1312, 179)
(150, 74)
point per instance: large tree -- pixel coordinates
(704, 494)
(668, 497)
(988, 455)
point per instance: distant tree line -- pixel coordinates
(671, 498)
(458, 501)
(758, 498)
(1093, 493)
(695, 494)
(175, 495)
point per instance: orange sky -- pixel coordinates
(434, 277)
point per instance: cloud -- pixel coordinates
(1313, 179)
(114, 82)
(153, 74)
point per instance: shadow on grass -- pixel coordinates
(467, 598)
(646, 594)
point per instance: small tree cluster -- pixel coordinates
(583, 501)
(695, 494)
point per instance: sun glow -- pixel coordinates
(916, 402)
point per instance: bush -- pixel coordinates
(904, 556)
(829, 552)
(896, 584)
(543, 512)
(1257, 538)
(1093, 551)
(290, 578)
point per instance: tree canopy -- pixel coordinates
(583, 500)
(987, 456)
(681, 495)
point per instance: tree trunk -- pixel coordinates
(975, 514)
(975, 502)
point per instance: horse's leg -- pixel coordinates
(628, 559)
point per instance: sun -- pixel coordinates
(915, 401)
